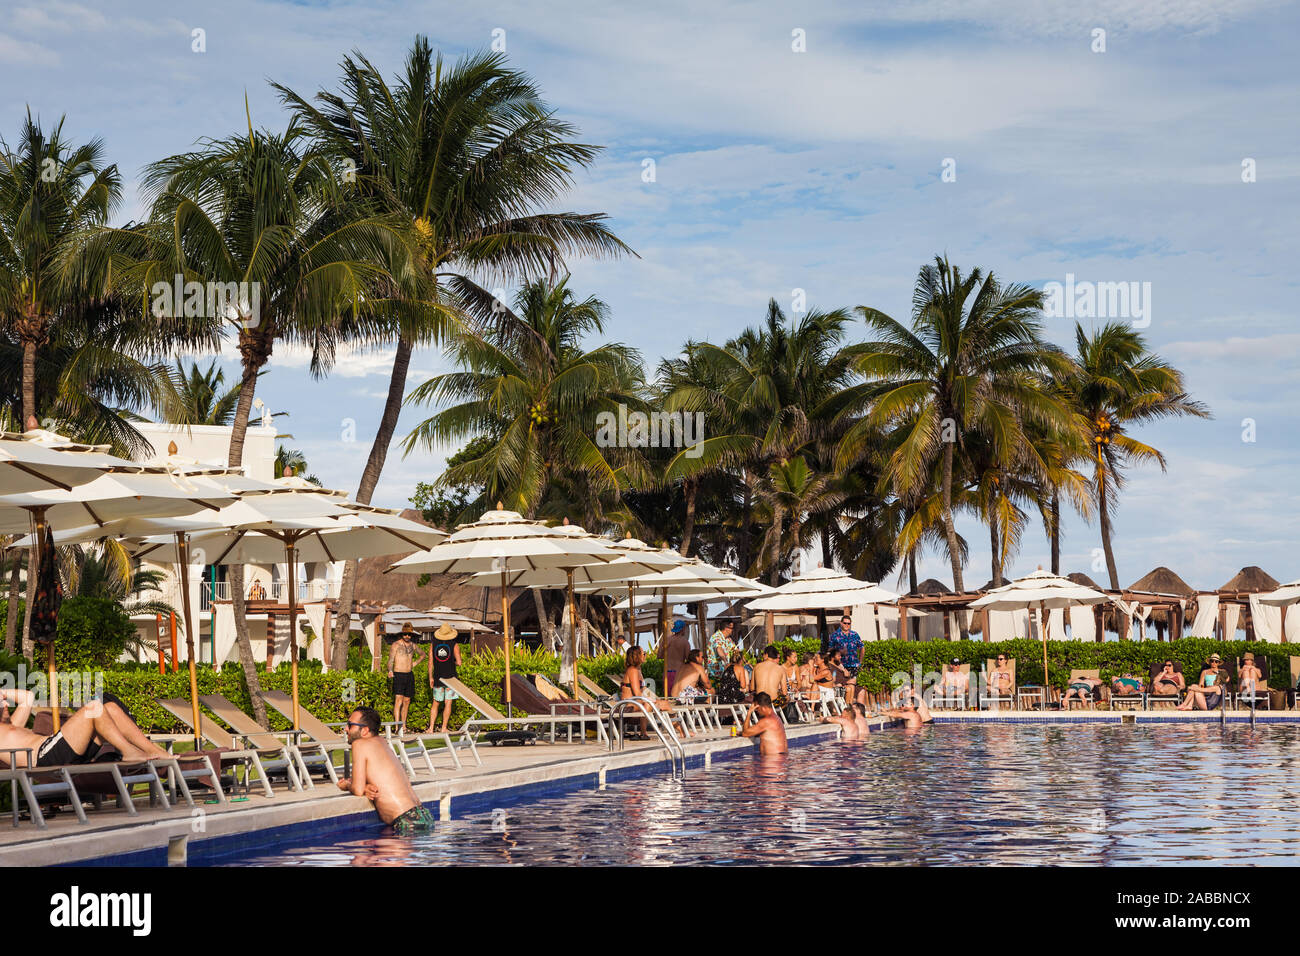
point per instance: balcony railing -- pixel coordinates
(220, 591)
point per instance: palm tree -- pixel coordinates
(971, 358)
(466, 156)
(201, 396)
(261, 210)
(767, 389)
(51, 191)
(529, 385)
(1116, 383)
(790, 492)
(532, 385)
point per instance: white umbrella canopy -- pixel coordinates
(398, 616)
(40, 461)
(113, 496)
(502, 541)
(1039, 591)
(823, 589)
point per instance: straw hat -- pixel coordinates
(445, 632)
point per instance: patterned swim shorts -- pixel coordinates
(415, 820)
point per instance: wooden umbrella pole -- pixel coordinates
(1043, 634)
(663, 613)
(505, 634)
(183, 556)
(290, 550)
(573, 633)
(631, 613)
(38, 544)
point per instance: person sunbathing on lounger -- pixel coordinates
(692, 679)
(1168, 683)
(377, 776)
(1126, 685)
(1081, 689)
(104, 720)
(1207, 692)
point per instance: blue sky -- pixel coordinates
(821, 170)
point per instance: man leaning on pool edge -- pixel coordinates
(377, 776)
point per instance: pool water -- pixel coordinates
(952, 794)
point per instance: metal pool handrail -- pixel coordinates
(646, 706)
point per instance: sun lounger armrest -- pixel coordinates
(243, 739)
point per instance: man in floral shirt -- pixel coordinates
(848, 641)
(721, 647)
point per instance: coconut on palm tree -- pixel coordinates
(1114, 384)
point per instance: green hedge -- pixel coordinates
(882, 659)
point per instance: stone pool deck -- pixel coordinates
(509, 775)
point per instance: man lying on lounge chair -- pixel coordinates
(377, 776)
(1126, 685)
(1082, 689)
(104, 720)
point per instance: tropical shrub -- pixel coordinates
(93, 633)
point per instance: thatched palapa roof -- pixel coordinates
(932, 586)
(1162, 581)
(1251, 579)
(1078, 577)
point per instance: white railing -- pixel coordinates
(220, 591)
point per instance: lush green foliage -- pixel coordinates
(93, 632)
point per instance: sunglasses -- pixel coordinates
(351, 724)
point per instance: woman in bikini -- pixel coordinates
(1168, 683)
(634, 685)
(1207, 692)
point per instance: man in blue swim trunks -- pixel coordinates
(377, 776)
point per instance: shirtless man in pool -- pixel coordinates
(847, 723)
(860, 718)
(768, 729)
(377, 776)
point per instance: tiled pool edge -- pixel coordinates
(336, 815)
(1120, 717)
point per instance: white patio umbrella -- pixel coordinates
(119, 494)
(630, 562)
(823, 589)
(300, 525)
(499, 542)
(1039, 591)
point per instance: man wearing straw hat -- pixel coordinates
(446, 661)
(401, 662)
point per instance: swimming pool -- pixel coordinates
(955, 794)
